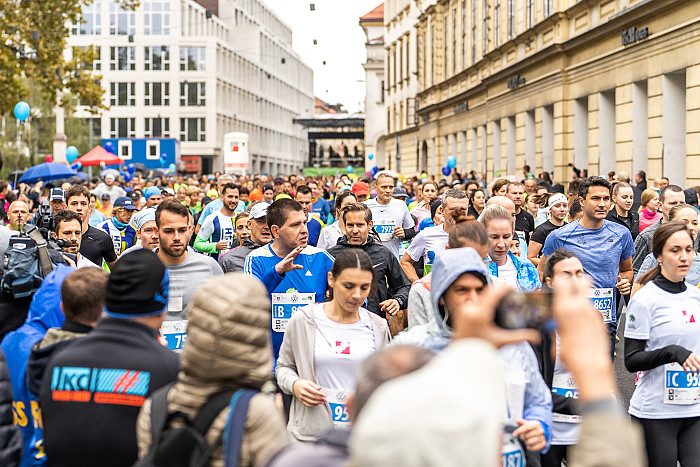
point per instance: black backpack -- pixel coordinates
(186, 446)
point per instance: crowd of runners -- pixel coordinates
(340, 320)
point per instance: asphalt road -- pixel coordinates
(625, 379)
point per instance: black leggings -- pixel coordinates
(672, 440)
(554, 456)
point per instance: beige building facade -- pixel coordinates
(601, 84)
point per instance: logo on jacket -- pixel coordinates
(100, 385)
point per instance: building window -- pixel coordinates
(156, 19)
(192, 94)
(82, 52)
(121, 22)
(424, 75)
(548, 7)
(485, 28)
(432, 54)
(192, 129)
(454, 41)
(399, 52)
(497, 24)
(157, 58)
(157, 93)
(511, 19)
(152, 148)
(473, 31)
(464, 34)
(90, 21)
(122, 94)
(381, 93)
(444, 47)
(407, 49)
(192, 59)
(158, 127)
(122, 58)
(530, 13)
(122, 127)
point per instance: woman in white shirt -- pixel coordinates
(331, 233)
(323, 345)
(662, 336)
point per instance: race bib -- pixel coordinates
(428, 259)
(385, 228)
(337, 400)
(285, 304)
(603, 302)
(175, 333)
(512, 454)
(680, 388)
(565, 385)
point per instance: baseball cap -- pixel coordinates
(125, 202)
(258, 211)
(169, 191)
(279, 180)
(137, 286)
(360, 188)
(57, 194)
(400, 192)
(105, 196)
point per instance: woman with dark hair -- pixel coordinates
(477, 201)
(429, 192)
(331, 233)
(323, 345)
(661, 341)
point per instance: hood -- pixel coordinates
(228, 333)
(448, 266)
(45, 310)
(248, 243)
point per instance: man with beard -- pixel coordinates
(187, 268)
(259, 236)
(67, 226)
(432, 240)
(95, 245)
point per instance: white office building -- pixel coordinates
(179, 69)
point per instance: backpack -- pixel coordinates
(26, 268)
(186, 446)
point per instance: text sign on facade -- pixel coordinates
(515, 81)
(632, 35)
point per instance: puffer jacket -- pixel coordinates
(228, 346)
(10, 436)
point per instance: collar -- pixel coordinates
(72, 326)
(125, 326)
(668, 286)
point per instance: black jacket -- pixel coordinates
(631, 221)
(10, 436)
(390, 279)
(93, 389)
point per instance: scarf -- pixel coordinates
(647, 213)
(117, 224)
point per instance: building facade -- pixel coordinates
(401, 72)
(601, 84)
(196, 71)
(375, 118)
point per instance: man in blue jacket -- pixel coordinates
(44, 313)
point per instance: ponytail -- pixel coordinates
(649, 276)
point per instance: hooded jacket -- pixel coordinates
(228, 346)
(44, 313)
(390, 279)
(450, 265)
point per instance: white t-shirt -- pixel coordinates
(508, 273)
(428, 244)
(83, 262)
(329, 236)
(662, 319)
(566, 429)
(387, 216)
(340, 348)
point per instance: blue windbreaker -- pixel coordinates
(44, 313)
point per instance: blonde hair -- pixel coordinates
(648, 195)
(495, 212)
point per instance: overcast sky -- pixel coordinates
(340, 43)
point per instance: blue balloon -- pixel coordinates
(350, 169)
(452, 162)
(71, 154)
(446, 171)
(371, 156)
(128, 176)
(131, 168)
(109, 147)
(77, 166)
(22, 111)
(172, 167)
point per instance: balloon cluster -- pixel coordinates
(129, 172)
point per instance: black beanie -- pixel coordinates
(137, 286)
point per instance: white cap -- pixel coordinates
(259, 210)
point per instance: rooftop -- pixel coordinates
(375, 15)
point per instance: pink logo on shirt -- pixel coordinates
(342, 348)
(688, 320)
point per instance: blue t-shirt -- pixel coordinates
(216, 205)
(321, 208)
(311, 279)
(314, 226)
(600, 251)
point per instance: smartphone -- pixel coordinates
(519, 310)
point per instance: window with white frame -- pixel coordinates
(124, 149)
(497, 24)
(511, 19)
(122, 94)
(444, 46)
(530, 13)
(485, 28)
(157, 127)
(122, 58)
(192, 129)
(473, 31)
(192, 94)
(156, 19)
(454, 41)
(122, 22)
(156, 58)
(152, 149)
(548, 7)
(464, 34)
(90, 22)
(157, 93)
(192, 59)
(122, 127)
